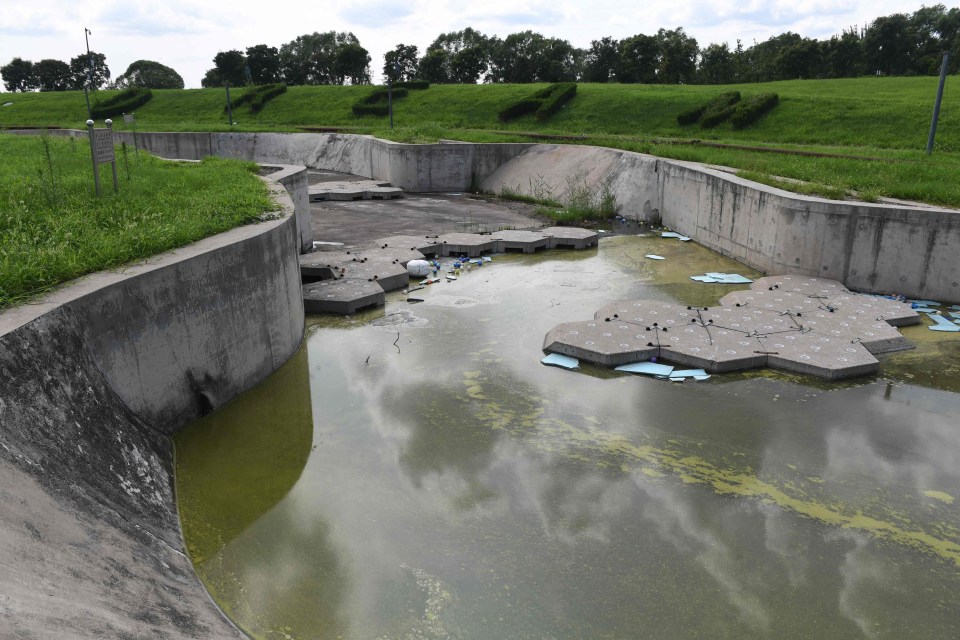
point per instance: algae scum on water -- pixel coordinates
(416, 473)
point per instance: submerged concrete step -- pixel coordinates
(342, 297)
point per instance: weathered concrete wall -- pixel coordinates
(414, 167)
(869, 247)
(876, 248)
(93, 378)
(294, 180)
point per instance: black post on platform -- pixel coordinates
(936, 105)
(86, 85)
(229, 107)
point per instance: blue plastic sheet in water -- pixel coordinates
(943, 324)
(647, 368)
(557, 360)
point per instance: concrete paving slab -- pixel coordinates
(427, 246)
(342, 297)
(361, 221)
(516, 240)
(570, 237)
(472, 245)
(346, 190)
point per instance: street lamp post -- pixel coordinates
(86, 85)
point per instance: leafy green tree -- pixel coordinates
(761, 57)
(801, 60)
(458, 57)
(433, 67)
(927, 45)
(18, 75)
(264, 64)
(151, 75)
(313, 59)
(843, 54)
(717, 64)
(530, 57)
(603, 58)
(99, 72)
(948, 29)
(351, 62)
(639, 59)
(889, 44)
(678, 56)
(230, 67)
(407, 57)
(52, 75)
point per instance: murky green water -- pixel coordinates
(447, 485)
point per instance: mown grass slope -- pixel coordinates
(883, 120)
(54, 228)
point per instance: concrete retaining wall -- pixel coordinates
(869, 247)
(414, 167)
(94, 377)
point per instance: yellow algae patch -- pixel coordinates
(601, 448)
(939, 495)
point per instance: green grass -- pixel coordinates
(882, 121)
(51, 232)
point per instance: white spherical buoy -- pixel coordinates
(418, 268)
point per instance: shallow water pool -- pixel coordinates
(415, 472)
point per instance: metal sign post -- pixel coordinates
(101, 150)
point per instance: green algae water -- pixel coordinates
(415, 472)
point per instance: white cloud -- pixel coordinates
(187, 35)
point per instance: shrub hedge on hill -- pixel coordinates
(729, 106)
(376, 103)
(258, 96)
(712, 112)
(544, 103)
(751, 110)
(124, 102)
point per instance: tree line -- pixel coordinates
(56, 75)
(898, 44)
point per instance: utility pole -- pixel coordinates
(86, 85)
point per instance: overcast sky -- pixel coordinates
(186, 34)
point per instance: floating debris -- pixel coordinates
(557, 360)
(674, 234)
(697, 374)
(942, 324)
(418, 268)
(723, 278)
(647, 368)
(654, 257)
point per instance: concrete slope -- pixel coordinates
(93, 378)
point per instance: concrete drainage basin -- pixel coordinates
(415, 472)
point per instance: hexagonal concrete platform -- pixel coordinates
(353, 190)
(807, 325)
(383, 262)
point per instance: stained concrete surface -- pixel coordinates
(361, 221)
(92, 379)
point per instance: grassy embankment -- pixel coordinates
(879, 125)
(53, 228)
